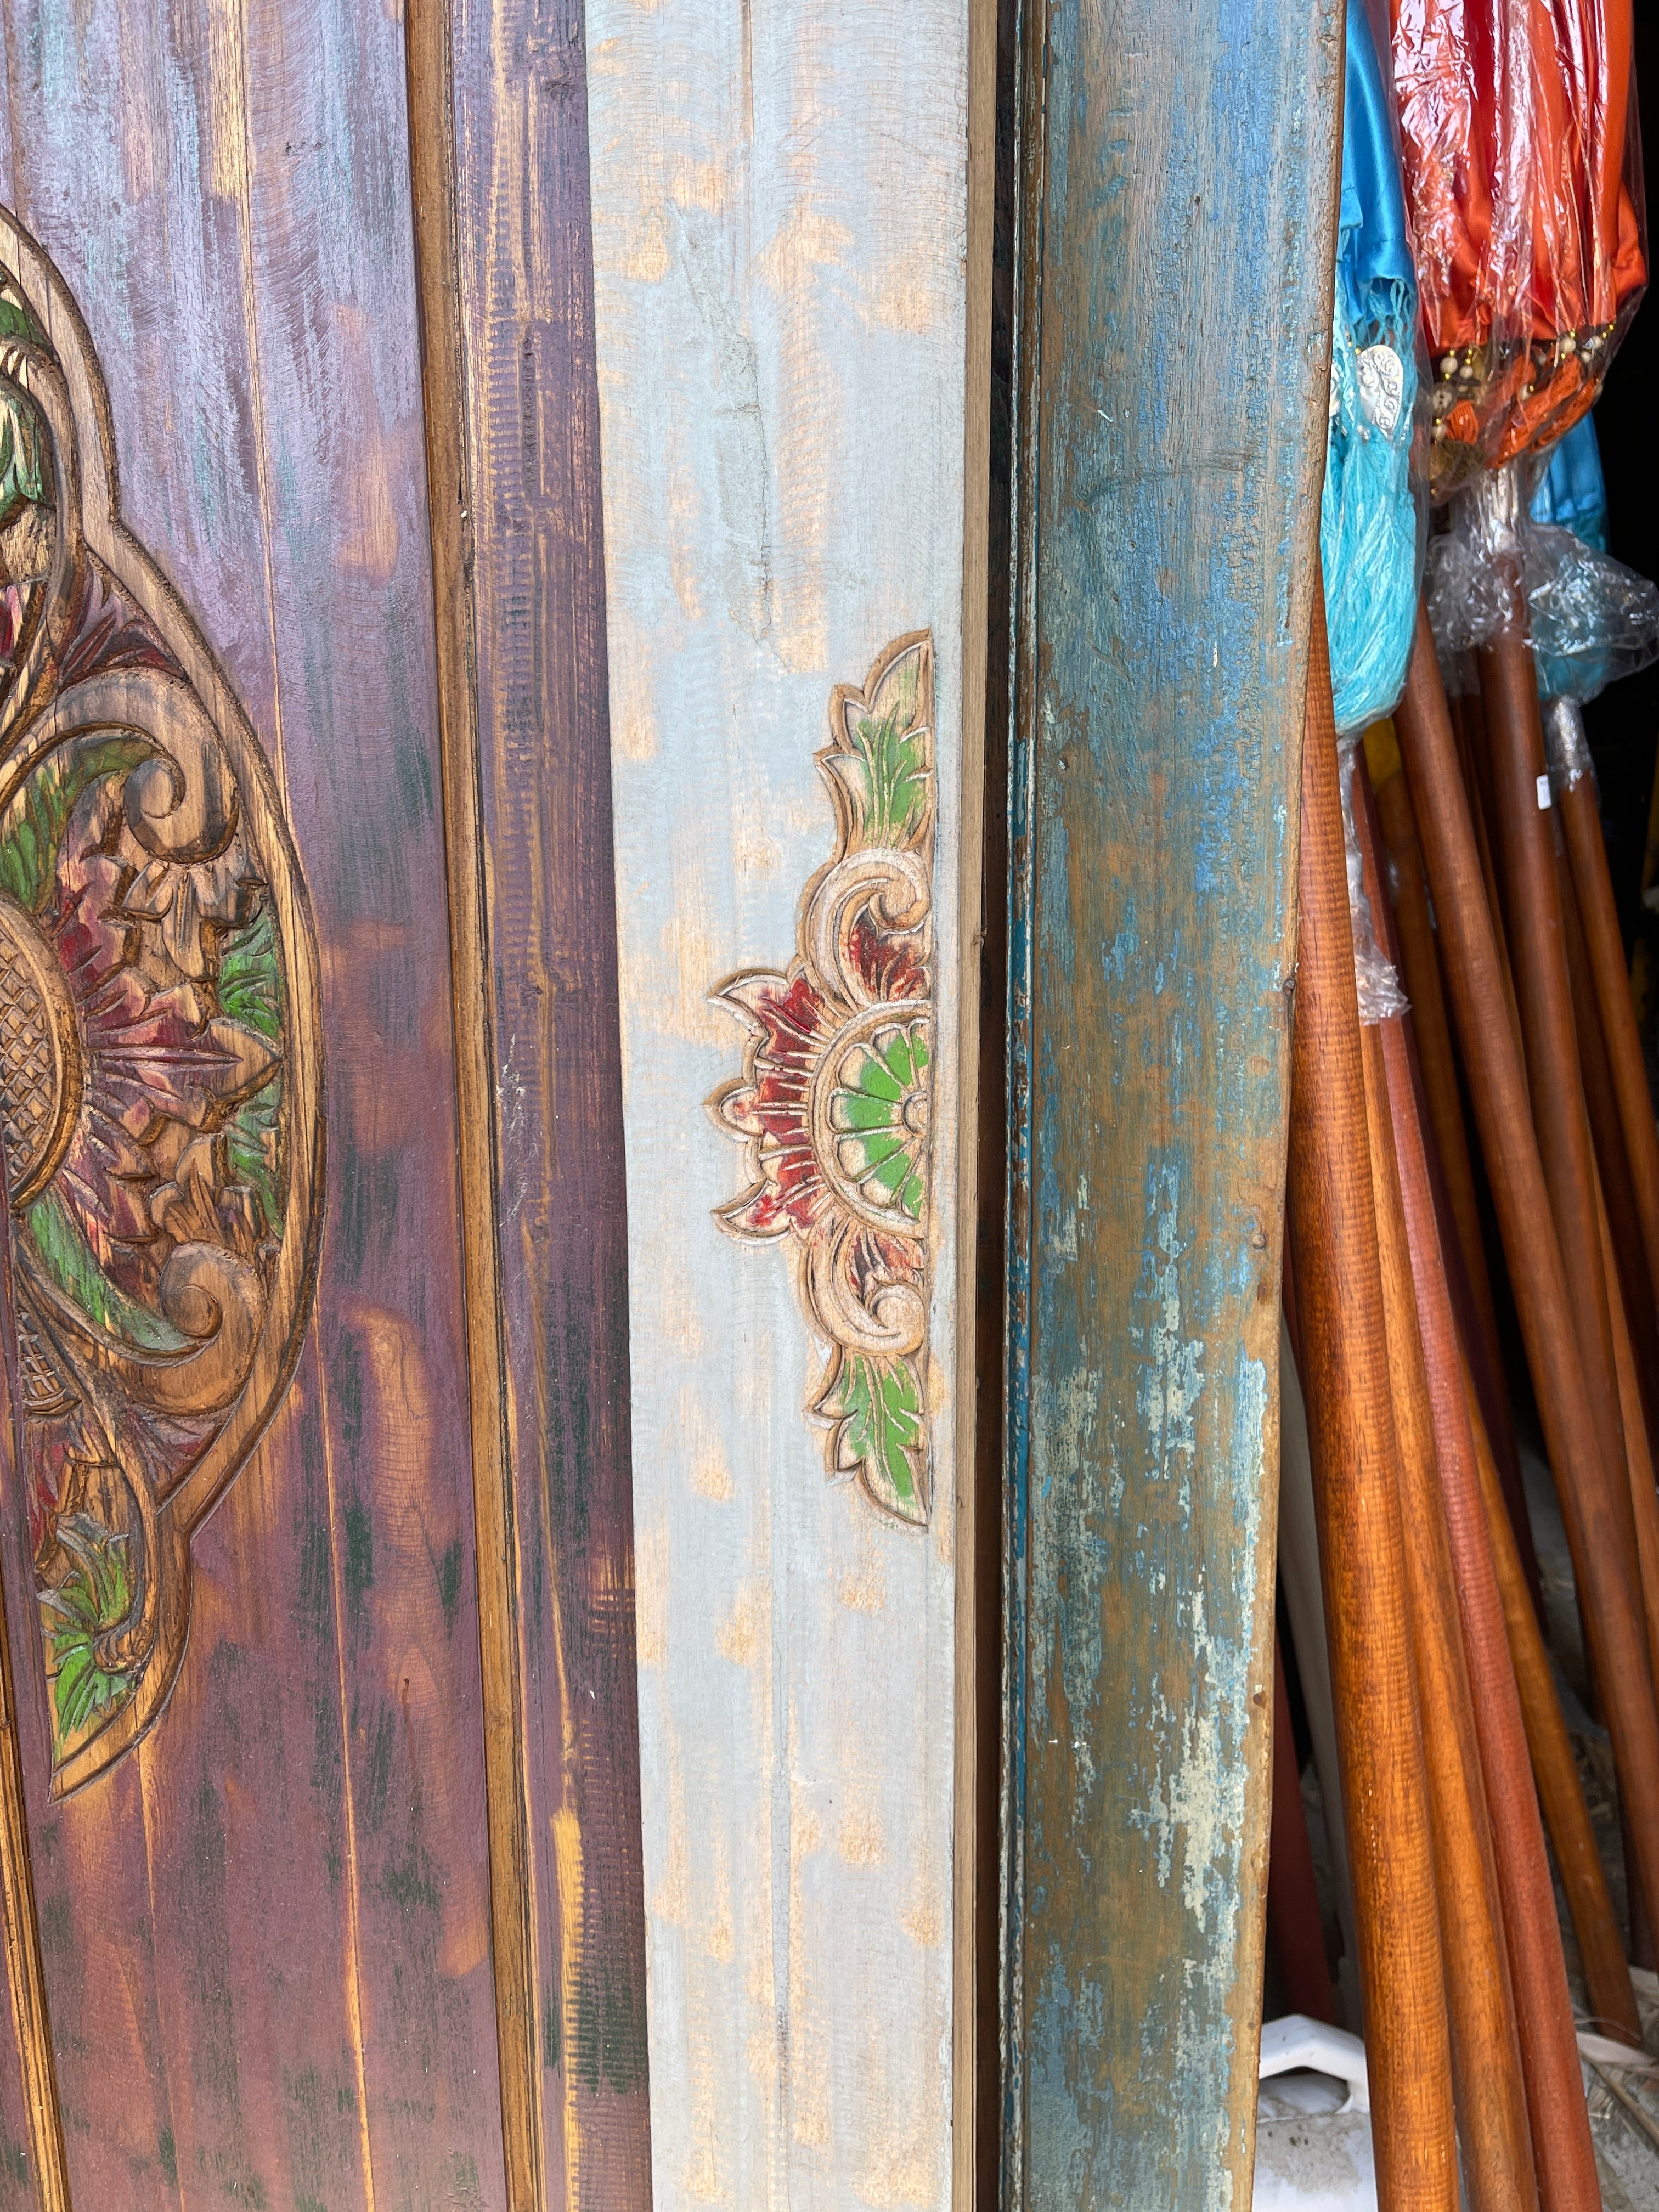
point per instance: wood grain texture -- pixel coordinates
(33, 2169)
(1603, 1563)
(521, 491)
(1532, 881)
(779, 215)
(1406, 925)
(1178, 185)
(286, 1885)
(1543, 2010)
(432, 157)
(1356, 1459)
(1493, 2139)
(1581, 823)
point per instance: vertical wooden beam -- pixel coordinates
(443, 372)
(975, 1867)
(531, 422)
(1176, 243)
(791, 303)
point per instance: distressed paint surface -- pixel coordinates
(266, 1934)
(1175, 228)
(780, 205)
(531, 410)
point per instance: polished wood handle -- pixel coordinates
(1561, 2142)
(1357, 1486)
(1596, 1526)
(1491, 2110)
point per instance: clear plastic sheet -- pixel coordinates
(1373, 512)
(1589, 619)
(1524, 184)
(1381, 998)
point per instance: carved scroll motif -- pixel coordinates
(835, 1102)
(158, 1061)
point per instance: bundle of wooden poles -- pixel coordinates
(1487, 886)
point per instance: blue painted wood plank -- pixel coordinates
(1176, 236)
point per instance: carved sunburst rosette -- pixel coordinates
(834, 1105)
(160, 1069)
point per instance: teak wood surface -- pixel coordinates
(1175, 184)
(316, 249)
(266, 1932)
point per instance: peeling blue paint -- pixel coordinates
(1169, 412)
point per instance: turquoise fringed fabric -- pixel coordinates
(1369, 536)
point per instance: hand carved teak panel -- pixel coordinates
(160, 1061)
(835, 1103)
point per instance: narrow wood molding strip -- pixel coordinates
(25, 1974)
(427, 31)
(977, 1656)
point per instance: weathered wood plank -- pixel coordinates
(287, 1884)
(499, 131)
(530, 406)
(1176, 288)
(779, 198)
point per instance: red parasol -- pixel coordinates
(1522, 174)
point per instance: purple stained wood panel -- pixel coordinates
(525, 269)
(266, 1931)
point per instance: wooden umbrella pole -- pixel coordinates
(1543, 2010)
(1639, 1443)
(1538, 952)
(1356, 1462)
(1420, 972)
(1587, 854)
(1406, 918)
(1624, 1260)
(1293, 1919)
(1474, 764)
(1596, 1527)
(1555, 1771)
(1486, 2073)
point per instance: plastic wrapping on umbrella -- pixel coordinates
(1566, 747)
(1378, 986)
(1593, 620)
(1372, 513)
(1523, 183)
(1589, 619)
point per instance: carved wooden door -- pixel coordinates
(333, 1875)
(318, 1782)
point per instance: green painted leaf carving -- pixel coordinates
(94, 1597)
(20, 480)
(251, 976)
(35, 821)
(253, 1146)
(893, 757)
(16, 321)
(72, 1264)
(881, 1406)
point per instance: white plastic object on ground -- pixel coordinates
(1313, 2138)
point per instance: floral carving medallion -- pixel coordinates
(160, 1069)
(833, 1106)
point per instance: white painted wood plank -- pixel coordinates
(780, 225)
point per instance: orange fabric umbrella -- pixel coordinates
(1522, 177)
